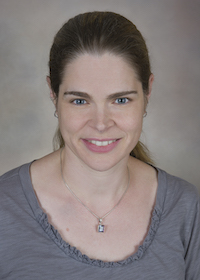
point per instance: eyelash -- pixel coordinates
(79, 101)
(121, 100)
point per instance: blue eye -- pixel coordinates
(121, 100)
(79, 101)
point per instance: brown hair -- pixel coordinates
(99, 32)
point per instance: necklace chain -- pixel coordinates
(101, 227)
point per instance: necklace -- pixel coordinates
(100, 227)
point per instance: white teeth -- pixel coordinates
(101, 143)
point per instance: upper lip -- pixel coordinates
(101, 140)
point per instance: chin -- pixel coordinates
(104, 164)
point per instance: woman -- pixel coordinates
(96, 208)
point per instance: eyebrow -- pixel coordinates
(77, 93)
(111, 96)
(120, 94)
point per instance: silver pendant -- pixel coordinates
(100, 227)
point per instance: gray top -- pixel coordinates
(30, 248)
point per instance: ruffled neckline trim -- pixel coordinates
(72, 251)
(77, 255)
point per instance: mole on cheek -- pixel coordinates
(67, 229)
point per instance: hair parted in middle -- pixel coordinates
(97, 33)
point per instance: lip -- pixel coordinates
(101, 145)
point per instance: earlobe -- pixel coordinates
(52, 93)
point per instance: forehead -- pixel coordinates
(108, 72)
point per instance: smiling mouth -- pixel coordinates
(102, 143)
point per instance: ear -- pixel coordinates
(147, 96)
(151, 79)
(52, 93)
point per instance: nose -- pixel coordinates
(101, 118)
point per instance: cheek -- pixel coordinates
(132, 121)
(71, 122)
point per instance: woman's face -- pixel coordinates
(100, 110)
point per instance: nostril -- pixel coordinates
(101, 118)
(102, 123)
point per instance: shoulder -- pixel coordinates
(177, 188)
(15, 180)
(11, 176)
(12, 179)
(12, 191)
(178, 201)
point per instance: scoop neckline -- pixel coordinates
(72, 251)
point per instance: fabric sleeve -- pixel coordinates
(192, 256)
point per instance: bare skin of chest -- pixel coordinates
(125, 228)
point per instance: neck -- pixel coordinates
(95, 187)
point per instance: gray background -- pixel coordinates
(171, 29)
